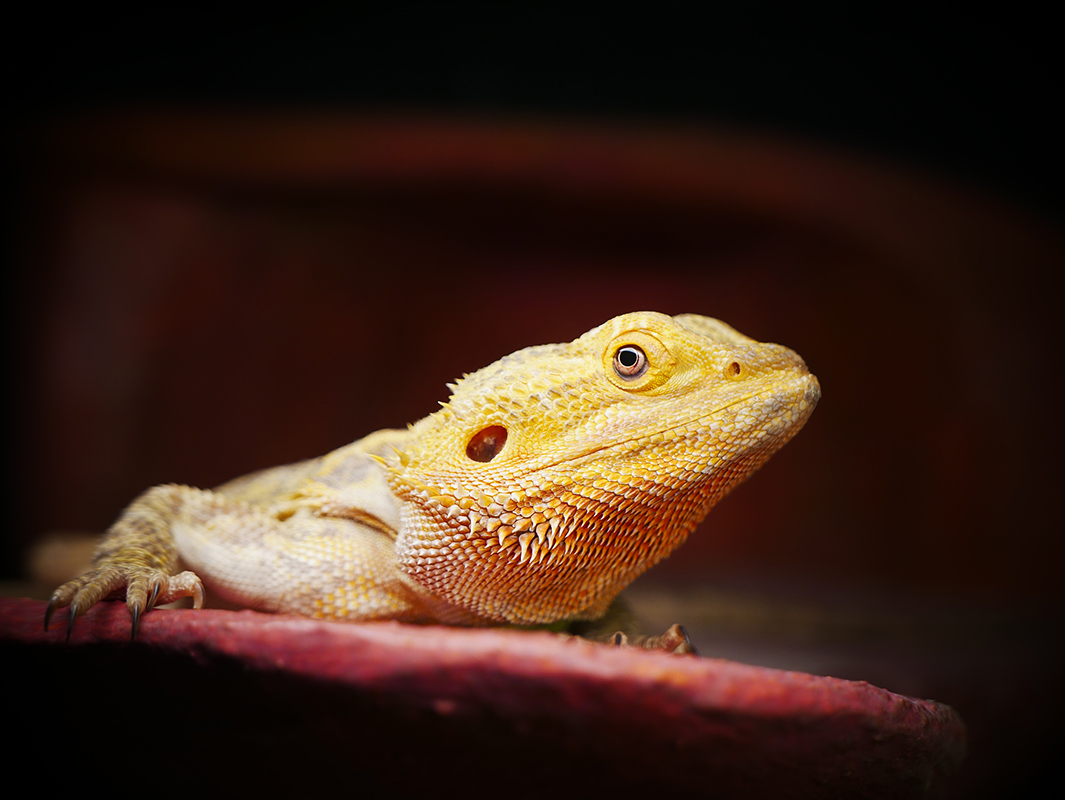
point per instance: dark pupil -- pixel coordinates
(627, 357)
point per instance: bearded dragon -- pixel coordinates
(545, 484)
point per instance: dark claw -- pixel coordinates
(136, 612)
(72, 620)
(153, 598)
(48, 613)
(687, 641)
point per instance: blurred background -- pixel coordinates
(235, 243)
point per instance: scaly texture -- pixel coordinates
(546, 483)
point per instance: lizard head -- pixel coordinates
(555, 476)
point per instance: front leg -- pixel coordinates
(300, 562)
(137, 557)
(288, 558)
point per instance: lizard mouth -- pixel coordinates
(804, 390)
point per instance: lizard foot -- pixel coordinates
(144, 589)
(675, 640)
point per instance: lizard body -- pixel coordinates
(547, 482)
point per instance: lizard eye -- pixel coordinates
(486, 443)
(630, 361)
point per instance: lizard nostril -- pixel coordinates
(486, 443)
(734, 369)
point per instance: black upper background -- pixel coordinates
(973, 95)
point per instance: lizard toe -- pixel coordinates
(675, 641)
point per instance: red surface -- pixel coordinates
(318, 705)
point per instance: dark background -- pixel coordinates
(974, 95)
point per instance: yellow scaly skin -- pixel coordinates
(547, 483)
